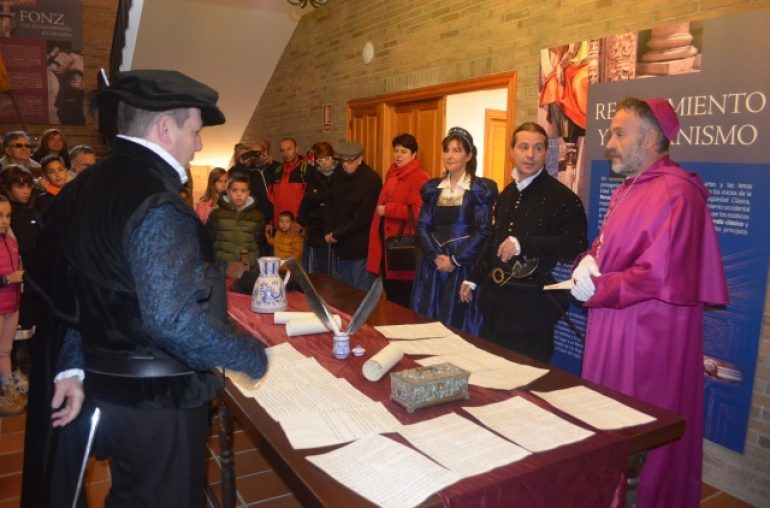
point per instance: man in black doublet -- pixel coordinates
(137, 315)
(538, 222)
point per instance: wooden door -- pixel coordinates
(374, 121)
(496, 147)
(364, 126)
(424, 120)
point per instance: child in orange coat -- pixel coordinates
(289, 239)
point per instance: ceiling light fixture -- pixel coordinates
(303, 3)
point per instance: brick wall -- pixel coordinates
(430, 42)
(98, 26)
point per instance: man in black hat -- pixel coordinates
(137, 300)
(352, 200)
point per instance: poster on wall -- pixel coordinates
(565, 74)
(721, 100)
(41, 42)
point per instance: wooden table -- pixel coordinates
(314, 488)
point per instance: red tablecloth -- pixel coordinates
(581, 474)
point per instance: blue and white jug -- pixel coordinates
(269, 293)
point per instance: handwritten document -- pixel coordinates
(317, 394)
(438, 346)
(313, 407)
(471, 359)
(460, 445)
(415, 331)
(508, 377)
(326, 427)
(385, 472)
(283, 353)
(527, 424)
(595, 409)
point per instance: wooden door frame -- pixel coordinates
(489, 115)
(384, 102)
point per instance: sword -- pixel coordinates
(567, 319)
(94, 423)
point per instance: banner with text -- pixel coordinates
(41, 44)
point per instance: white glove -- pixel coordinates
(584, 286)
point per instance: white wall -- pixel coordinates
(231, 45)
(466, 110)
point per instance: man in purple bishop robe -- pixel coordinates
(645, 281)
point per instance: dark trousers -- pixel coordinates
(398, 291)
(157, 456)
(521, 320)
(317, 259)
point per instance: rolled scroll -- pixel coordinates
(379, 364)
(308, 326)
(281, 318)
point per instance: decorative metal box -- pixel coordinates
(428, 386)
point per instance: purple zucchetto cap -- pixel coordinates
(666, 117)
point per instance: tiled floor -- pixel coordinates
(258, 485)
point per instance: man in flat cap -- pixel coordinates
(645, 282)
(138, 298)
(352, 199)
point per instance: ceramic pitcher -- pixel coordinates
(269, 293)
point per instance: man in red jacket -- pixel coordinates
(289, 181)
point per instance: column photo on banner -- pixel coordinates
(721, 100)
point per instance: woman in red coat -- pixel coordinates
(401, 189)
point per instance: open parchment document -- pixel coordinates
(415, 331)
(385, 472)
(528, 425)
(460, 445)
(438, 346)
(326, 427)
(313, 407)
(507, 378)
(597, 410)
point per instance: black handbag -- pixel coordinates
(402, 251)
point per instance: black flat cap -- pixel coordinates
(161, 90)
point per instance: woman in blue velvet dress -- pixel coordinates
(455, 222)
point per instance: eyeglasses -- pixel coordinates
(20, 145)
(348, 160)
(328, 158)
